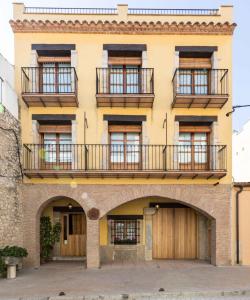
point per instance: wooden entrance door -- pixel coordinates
(73, 235)
(175, 233)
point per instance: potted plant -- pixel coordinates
(49, 235)
(13, 255)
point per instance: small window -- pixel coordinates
(125, 232)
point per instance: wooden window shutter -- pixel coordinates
(55, 129)
(124, 128)
(125, 61)
(51, 59)
(195, 128)
(193, 63)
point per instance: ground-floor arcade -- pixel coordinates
(131, 222)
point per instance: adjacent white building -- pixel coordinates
(8, 96)
(241, 154)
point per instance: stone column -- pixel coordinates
(148, 213)
(33, 75)
(105, 58)
(214, 153)
(144, 59)
(33, 59)
(173, 163)
(202, 237)
(93, 244)
(176, 60)
(74, 58)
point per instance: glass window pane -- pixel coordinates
(48, 77)
(117, 136)
(200, 136)
(133, 137)
(49, 136)
(185, 136)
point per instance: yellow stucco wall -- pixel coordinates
(160, 56)
(244, 225)
(134, 207)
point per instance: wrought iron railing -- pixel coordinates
(49, 80)
(124, 80)
(69, 10)
(200, 82)
(113, 11)
(186, 12)
(124, 157)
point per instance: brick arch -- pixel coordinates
(198, 198)
(157, 197)
(34, 212)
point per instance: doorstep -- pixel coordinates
(69, 258)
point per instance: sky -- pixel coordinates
(241, 46)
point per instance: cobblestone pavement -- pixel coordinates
(174, 278)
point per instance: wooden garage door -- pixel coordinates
(175, 233)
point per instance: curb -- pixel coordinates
(146, 296)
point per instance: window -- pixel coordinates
(193, 150)
(55, 78)
(57, 147)
(125, 145)
(124, 79)
(125, 230)
(193, 82)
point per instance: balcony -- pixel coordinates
(49, 86)
(124, 161)
(200, 88)
(124, 87)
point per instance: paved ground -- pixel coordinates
(148, 277)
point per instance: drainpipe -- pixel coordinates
(237, 225)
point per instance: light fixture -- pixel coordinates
(157, 206)
(70, 206)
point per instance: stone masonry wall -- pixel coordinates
(10, 176)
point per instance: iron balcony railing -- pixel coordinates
(124, 157)
(49, 80)
(200, 82)
(124, 80)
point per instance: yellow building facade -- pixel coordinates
(126, 142)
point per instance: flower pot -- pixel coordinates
(12, 260)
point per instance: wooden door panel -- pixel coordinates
(175, 233)
(163, 233)
(76, 241)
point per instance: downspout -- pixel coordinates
(238, 225)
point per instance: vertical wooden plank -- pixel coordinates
(163, 233)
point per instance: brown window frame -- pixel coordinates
(125, 129)
(49, 165)
(124, 73)
(192, 130)
(55, 75)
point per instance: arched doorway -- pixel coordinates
(71, 218)
(155, 228)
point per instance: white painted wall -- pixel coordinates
(241, 154)
(8, 97)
